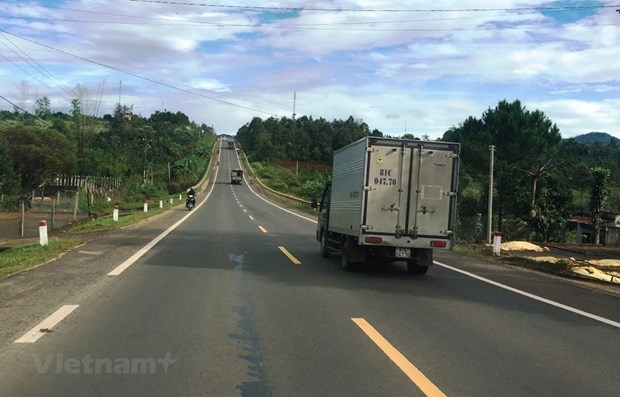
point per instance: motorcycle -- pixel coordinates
(190, 202)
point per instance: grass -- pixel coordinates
(26, 256)
(108, 223)
(469, 250)
(20, 258)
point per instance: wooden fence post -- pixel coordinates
(75, 206)
(53, 212)
(22, 210)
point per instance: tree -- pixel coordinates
(527, 144)
(42, 108)
(475, 140)
(8, 180)
(525, 141)
(598, 198)
(38, 153)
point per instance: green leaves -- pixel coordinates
(527, 144)
(124, 145)
(37, 153)
(598, 198)
(303, 139)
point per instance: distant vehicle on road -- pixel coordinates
(236, 176)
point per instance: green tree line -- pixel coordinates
(538, 176)
(165, 152)
(302, 139)
(540, 179)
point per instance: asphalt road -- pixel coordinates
(237, 301)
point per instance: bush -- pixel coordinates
(312, 189)
(136, 191)
(10, 202)
(304, 182)
(515, 229)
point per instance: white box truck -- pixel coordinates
(390, 200)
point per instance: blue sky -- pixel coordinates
(400, 66)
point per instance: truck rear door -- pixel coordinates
(387, 184)
(432, 194)
(409, 189)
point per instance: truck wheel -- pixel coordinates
(414, 268)
(345, 258)
(324, 250)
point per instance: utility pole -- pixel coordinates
(144, 173)
(490, 213)
(295, 100)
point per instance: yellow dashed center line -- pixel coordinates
(418, 378)
(290, 256)
(262, 229)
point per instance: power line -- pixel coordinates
(29, 74)
(138, 76)
(33, 64)
(374, 22)
(26, 112)
(322, 9)
(315, 27)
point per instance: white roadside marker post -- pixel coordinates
(42, 233)
(497, 243)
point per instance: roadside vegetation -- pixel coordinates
(84, 163)
(300, 179)
(540, 180)
(124, 157)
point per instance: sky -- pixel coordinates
(415, 67)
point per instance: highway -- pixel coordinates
(237, 301)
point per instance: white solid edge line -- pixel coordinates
(500, 285)
(35, 333)
(283, 209)
(123, 266)
(532, 296)
(269, 202)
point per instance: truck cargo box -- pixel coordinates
(400, 191)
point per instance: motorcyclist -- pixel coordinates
(191, 195)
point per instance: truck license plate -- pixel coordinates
(403, 252)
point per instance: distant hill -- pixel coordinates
(601, 138)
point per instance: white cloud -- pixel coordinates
(425, 70)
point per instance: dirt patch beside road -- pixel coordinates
(10, 224)
(585, 262)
